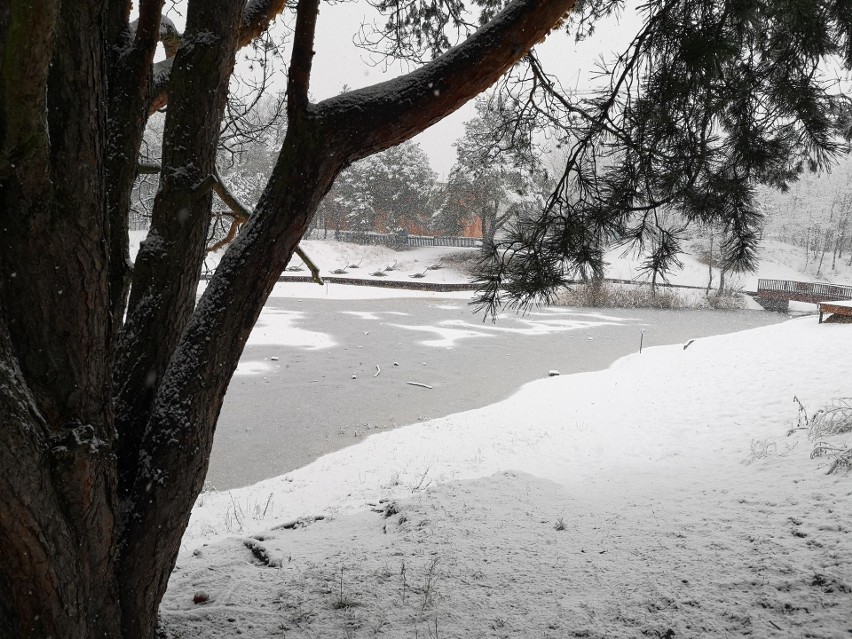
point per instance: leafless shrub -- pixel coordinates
(603, 294)
(761, 448)
(430, 582)
(725, 301)
(608, 295)
(343, 601)
(842, 456)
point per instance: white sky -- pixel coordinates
(339, 62)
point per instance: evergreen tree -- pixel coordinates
(496, 177)
(384, 192)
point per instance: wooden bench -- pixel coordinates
(842, 307)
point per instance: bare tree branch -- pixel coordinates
(146, 168)
(302, 58)
(241, 216)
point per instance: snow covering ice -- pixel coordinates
(275, 326)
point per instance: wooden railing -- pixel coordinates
(803, 291)
(393, 239)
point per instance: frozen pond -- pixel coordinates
(317, 375)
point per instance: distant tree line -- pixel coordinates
(497, 177)
(815, 215)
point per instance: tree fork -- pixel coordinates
(169, 262)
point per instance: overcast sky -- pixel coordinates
(339, 62)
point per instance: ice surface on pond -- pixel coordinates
(373, 316)
(670, 477)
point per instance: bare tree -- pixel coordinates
(815, 215)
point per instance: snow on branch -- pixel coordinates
(391, 112)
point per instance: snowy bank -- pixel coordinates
(661, 497)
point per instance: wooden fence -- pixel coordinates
(392, 239)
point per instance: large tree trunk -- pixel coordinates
(105, 436)
(56, 350)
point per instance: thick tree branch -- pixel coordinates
(129, 61)
(148, 168)
(162, 298)
(161, 77)
(169, 36)
(391, 112)
(27, 47)
(257, 16)
(151, 26)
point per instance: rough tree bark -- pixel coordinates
(106, 426)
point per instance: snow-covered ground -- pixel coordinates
(777, 261)
(662, 497)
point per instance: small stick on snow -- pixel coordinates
(419, 384)
(378, 370)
